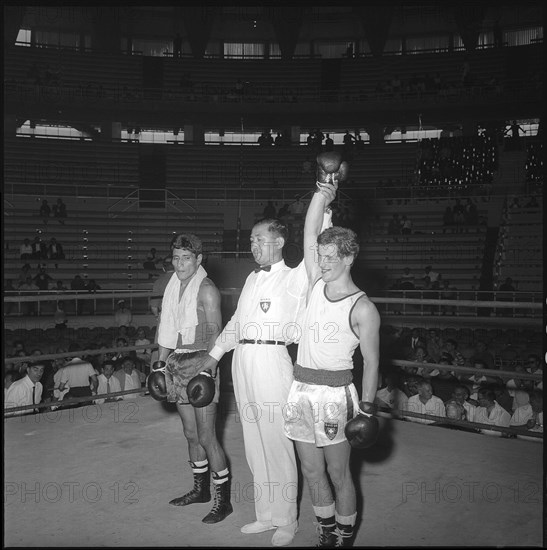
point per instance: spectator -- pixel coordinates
(461, 395)
(78, 285)
(348, 140)
(10, 376)
(25, 250)
(23, 274)
(407, 280)
(406, 225)
(59, 211)
(26, 391)
(150, 263)
(471, 213)
(516, 389)
(411, 342)
(42, 279)
(55, 250)
(78, 374)
(391, 395)
(425, 403)
(45, 211)
(433, 275)
(297, 207)
(177, 45)
(443, 383)
(482, 354)
(490, 412)
(269, 210)
(122, 315)
(530, 415)
(283, 212)
(533, 366)
(329, 143)
(454, 411)
(107, 383)
(420, 356)
(39, 251)
(143, 355)
(515, 131)
(507, 286)
(434, 344)
(118, 356)
(451, 348)
(129, 377)
(59, 286)
(59, 316)
(92, 286)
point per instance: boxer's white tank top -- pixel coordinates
(328, 341)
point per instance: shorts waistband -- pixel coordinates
(268, 342)
(322, 377)
(188, 351)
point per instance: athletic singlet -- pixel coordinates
(328, 341)
(202, 336)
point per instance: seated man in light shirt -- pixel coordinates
(78, 375)
(26, 391)
(461, 396)
(129, 377)
(391, 396)
(108, 383)
(530, 415)
(424, 402)
(491, 412)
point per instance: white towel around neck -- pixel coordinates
(180, 317)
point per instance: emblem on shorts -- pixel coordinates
(331, 430)
(265, 305)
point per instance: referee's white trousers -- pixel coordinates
(262, 376)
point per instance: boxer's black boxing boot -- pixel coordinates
(222, 506)
(343, 535)
(326, 527)
(201, 491)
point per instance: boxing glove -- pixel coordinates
(362, 431)
(156, 384)
(331, 167)
(201, 389)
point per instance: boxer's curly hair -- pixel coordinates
(187, 241)
(275, 226)
(345, 240)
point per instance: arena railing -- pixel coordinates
(386, 304)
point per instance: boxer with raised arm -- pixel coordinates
(323, 400)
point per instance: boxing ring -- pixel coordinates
(103, 475)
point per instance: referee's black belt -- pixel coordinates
(269, 342)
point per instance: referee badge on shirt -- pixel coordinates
(331, 429)
(265, 305)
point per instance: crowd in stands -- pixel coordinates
(457, 161)
(486, 399)
(81, 375)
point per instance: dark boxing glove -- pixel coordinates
(156, 384)
(362, 431)
(201, 389)
(330, 167)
